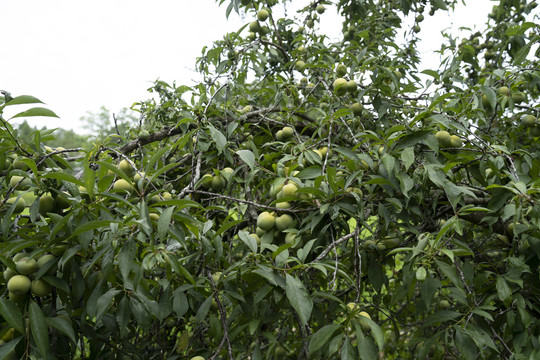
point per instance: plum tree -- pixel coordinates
(360, 204)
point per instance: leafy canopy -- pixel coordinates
(309, 199)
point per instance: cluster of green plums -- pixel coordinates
(448, 141)
(29, 272)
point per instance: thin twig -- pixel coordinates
(13, 137)
(195, 191)
(331, 246)
(223, 318)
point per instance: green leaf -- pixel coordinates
(491, 96)
(347, 351)
(348, 153)
(105, 301)
(299, 298)
(407, 157)
(449, 272)
(248, 240)
(91, 225)
(519, 29)
(125, 258)
(203, 309)
(376, 332)
(218, 138)
(503, 289)
(7, 348)
(248, 157)
(63, 325)
(483, 313)
(465, 345)
(412, 139)
(366, 348)
(270, 275)
(24, 99)
(64, 177)
(180, 303)
(428, 288)
(436, 175)
(309, 173)
(164, 222)
(11, 313)
(37, 111)
(123, 315)
(38, 326)
(389, 163)
(321, 337)
(431, 73)
(480, 337)
(441, 316)
(155, 158)
(439, 4)
(522, 53)
(226, 226)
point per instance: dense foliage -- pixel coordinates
(309, 199)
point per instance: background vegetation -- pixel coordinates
(310, 199)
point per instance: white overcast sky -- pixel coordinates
(77, 56)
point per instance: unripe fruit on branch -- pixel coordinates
(122, 185)
(255, 27)
(519, 97)
(61, 202)
(444, 138)
(300, 65)
(8, 274)
(421, 273)
(46, 204)
(26, 266)
(44, 260)
(341, 70)
(218, 182)
(139, 176)
(19, 285)
(340, 86)
(455, 141)
(59, 249)
(262, 15)
(144, 134)
(23, 185)
(154, 217)
(283, 205)
(20, 164)
(357, 108)
(216, 276)
(265, 221)
(284, 222)
(528, 120)
(287, 132)
(363, 323)
(206, 181)
(20, 204)
(289, 190)
(290, 238)
(256, 237)
(352, 86)
(40, 288)
(126, 167)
